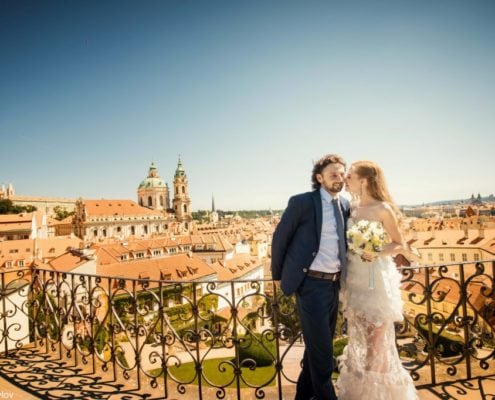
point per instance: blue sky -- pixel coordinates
(249, 93)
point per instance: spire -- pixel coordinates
(179, 172)
(212, 203)
(10, 190)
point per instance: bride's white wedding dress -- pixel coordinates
(370, 367)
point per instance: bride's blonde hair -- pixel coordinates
(377, 187)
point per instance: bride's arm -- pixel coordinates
(391, 225)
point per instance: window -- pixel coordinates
(119, 229)
(133, 230)
(145, 229)
(140, 255)
(150, 201)
(104, 232)
(123, 257)
(183, 189)
(440, 256)
(13, 251)
(476, 257)
(8, 264)
(157, 252)
(464, 257)
(172, 250)
(161, 201)
(452, 257)
(95, 233)
(21, 263)
(430, 257)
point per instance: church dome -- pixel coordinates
(153, 180)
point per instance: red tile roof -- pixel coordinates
(116, 207)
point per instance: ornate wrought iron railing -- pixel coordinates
(87, 336)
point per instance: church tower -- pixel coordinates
(214, 214)
(153, 192)
(182, 201)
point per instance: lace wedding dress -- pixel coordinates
(370, 367)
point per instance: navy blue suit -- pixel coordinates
(295, 244)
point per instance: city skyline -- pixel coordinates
(248, 93)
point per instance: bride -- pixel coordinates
(370, 367)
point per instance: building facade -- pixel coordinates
(96, 220)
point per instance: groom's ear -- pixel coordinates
(319, 178)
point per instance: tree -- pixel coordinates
(61, 213)
(7, 207)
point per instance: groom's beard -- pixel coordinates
(335, 188)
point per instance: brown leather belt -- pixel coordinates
(328, 276)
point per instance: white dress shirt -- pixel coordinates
(327, 259)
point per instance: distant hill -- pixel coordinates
(490, 199)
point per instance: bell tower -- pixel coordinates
(182, 201)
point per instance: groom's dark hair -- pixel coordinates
(321, 164)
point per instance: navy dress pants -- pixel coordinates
(317, 304)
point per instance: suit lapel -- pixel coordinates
(318, 213)
(345, 212)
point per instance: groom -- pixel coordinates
(309, 257)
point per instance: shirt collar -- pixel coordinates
(327, 196)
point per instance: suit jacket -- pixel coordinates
(296, 239)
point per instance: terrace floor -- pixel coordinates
(33, 375)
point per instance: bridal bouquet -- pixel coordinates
(365, 236)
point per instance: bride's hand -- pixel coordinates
(368, 257)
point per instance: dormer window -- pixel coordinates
(8, 264)
(192, 270)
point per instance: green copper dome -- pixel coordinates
(153, 180)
